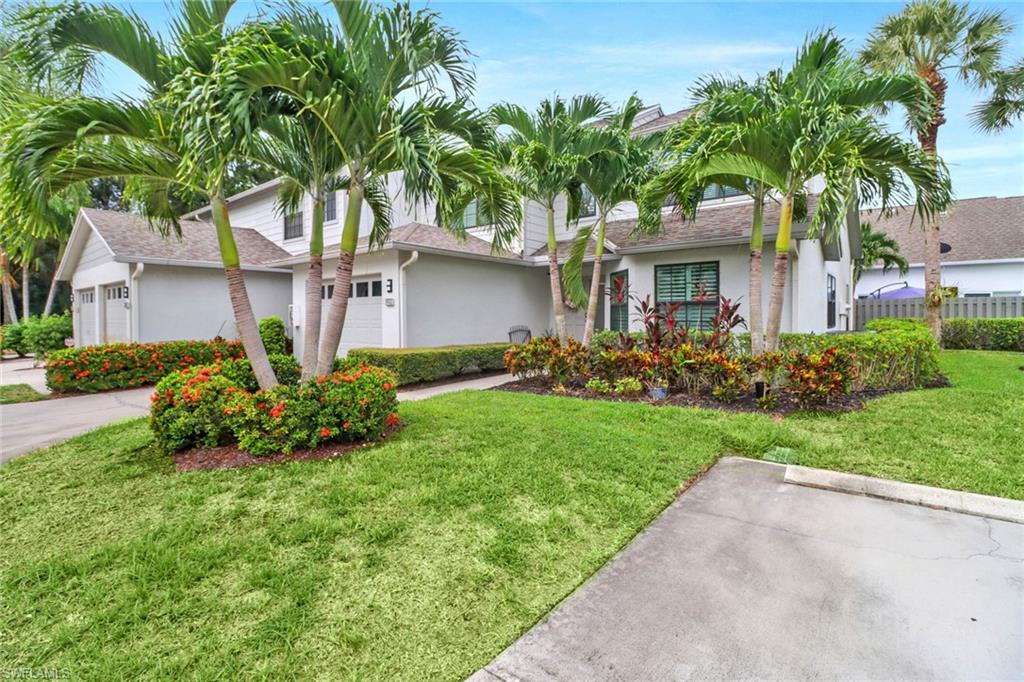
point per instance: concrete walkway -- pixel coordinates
(23, 371)
(748, 577)
(25, 427)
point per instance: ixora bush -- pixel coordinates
(412, 365)
(37, 335)
(203, 407)
(811, 370)
(129, 365)
(274, 338)
(984, 333)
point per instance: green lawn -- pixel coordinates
(19, 393)
(424, 557)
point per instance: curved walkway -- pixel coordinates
(25, 427)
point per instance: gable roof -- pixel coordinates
(131, 239)
(983, 228)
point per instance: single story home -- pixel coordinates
(129, 283)
(985, 254)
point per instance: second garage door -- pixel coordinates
(363, 326)
(115, 313)
(86, 299)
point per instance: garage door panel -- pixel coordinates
(363, 320)
(86, 300)
(115, 317)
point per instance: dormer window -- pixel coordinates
(474, 215)
(588, 204)
(330, 207)
(293, 226)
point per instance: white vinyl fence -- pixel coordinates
(868, 309)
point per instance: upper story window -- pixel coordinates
(830, 301)
(716, 191)
(474, 215)
(588, 204)
(330, 207)
(293, 226)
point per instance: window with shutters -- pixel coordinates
(293, 226)
(618, 288)
(830, 300)
(330, 207)
(694, 286)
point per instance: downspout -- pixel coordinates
(134, 308)
(401, 296)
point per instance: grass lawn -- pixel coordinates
(421, 558)
(19, 393)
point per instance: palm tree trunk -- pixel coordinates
(10, 313)
(314, 284)
(557, 303)
(245, 320)
(338, 305)
(928, 137)
(595, 286)
(51, 295)
(781, 269)
(754, 302)
(25, 312)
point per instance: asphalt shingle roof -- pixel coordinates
(984, 228)
(130, 236)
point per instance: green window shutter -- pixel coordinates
(618, 318)
(683, 283)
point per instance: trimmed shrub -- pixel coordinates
(128, 365)
(412, 365)
(274, 338)
(819, 377)
(202, 407)
(984, 333)
(888, 324)
(546, 354)
(12, 338)
(44, 335)
(286, 369)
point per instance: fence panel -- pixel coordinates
(867, 309)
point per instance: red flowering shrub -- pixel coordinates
(816, 378)
(129, 365)
(189, 408)
(203, 407)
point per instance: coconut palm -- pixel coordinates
(931, 38)
(377, 87)
(613, 176)
(1006, 105)
(878, 247)
(813, 121)
(74, 140)
(544, 153)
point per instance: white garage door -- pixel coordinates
(115, 313)
(363, 326)
(86, 300)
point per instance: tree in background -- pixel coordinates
(615, 175)
(930, 39)
(544, 153)
(878, 247)
(1006, 105)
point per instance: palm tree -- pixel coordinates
(544, 153)
(152, 143)
(875, 247)
(613, 176)
(1006, 105)
(930, 38)
(377, 89)
(813, 121)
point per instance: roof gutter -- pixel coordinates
(195, 264)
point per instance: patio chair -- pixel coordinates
(519, 334)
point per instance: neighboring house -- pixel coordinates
(129, 283)
(986, 248)
(426, 288)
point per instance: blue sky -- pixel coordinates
(527, 50)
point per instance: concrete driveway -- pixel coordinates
(745, 576)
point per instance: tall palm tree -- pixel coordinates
(814, 121)
(613, 176)
(931, 38)
(74, 140)
(878, 247)
(1006, 105)
(544, 153)
(377, 88)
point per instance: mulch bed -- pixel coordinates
(231, 457)
(785, 404)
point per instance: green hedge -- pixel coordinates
(272, 333)
(412, 365)
(886, 324)
(984, 333)
(37, 335)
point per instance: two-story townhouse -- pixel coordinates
(426, 288)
